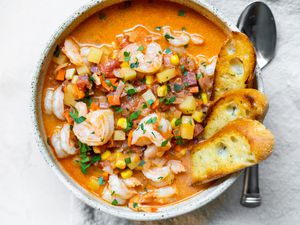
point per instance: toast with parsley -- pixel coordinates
(237, 104)
(235, 66)
(240, 144)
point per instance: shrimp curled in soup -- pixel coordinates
(97, 129)
(150, 62)
(54, 102)
(62, 143)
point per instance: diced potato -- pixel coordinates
(166, 75)
(119, 135)
(83, 70)
(93, 183)
(135, 160)
(96, 79)
(126, 174)
(105, 155)
(69, 97)
(61, 59)
(162, 91)
(149, 96)
(149, 79)
(94, 55)
(198, 116)
(70, 73)
(128, 73)
(188, 106)
(187, 127)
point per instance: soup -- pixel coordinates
(124, 100)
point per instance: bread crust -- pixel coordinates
(250, 100)
(237, 48)
(258, 137)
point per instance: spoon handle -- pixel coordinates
(251, 196)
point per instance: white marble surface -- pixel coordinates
(31, 194)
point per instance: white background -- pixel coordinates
(30, 193)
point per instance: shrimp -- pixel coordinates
(81, 108)
(62, 143)
(119, 187)
(177, 39)
(97, 129)
(150, 62)
(132, 182)
(71, 49)
(176, 166)
(197, 39)
(108, 196)
(149, 135)
(159, 175)
(54, 102)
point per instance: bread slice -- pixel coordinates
(237, 104)
(235, 65)
(239, 144)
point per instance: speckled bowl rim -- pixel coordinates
(170, 211)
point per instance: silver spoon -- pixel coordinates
(257, 22)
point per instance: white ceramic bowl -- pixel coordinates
(192, 203)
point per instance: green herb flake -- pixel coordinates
(131, 91)
(170, 100)
(182, 68)
(151, 120)
(135, 205)
(134, 115)
(142, 163)
(74, 116)
(117, 109)
(168, 36)
(199, 75)
(128, 160)
(150, 101)
(101, 181)
(95, 158)
(158, 28)
(185, 73)
(178, 122)
(113, 193)
(168, 51)
(141, 48)
(177, 87)
(179, 140)
(114, 202)
(134, 65)
(160, 178)
(87, 100)
(144, 106)
(126, 56)
(165, 142)
(181, 12)
(56, 51)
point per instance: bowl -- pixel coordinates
(196, 201)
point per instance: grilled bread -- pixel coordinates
(239, 144)
(235, 65)
(237, 104)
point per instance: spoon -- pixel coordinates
(257, 22)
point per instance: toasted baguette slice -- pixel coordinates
(239, 144)
(235, 65)
(237, 104)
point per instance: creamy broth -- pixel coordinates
(102, 28)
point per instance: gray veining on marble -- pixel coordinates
(31, 194)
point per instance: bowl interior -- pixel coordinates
(67, 27)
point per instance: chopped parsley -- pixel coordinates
(141, 48)
(179, 140)
(177, 87)
(128, 160)
(56, 51)
(135, 205)
(84, 149)
(134, 115)
(160, 178)
(74, 115)
(186, 84)
(117, 109)
(181, 12)
(143, 129)
(115, 202)
(144, 106)
(158, 28)
(126, 56)
(87, 100)
(131, 91)
(178, 122)
(142, 163)
(134, 65)
(108, 82)
(165, 142)
(170, 100)
(168, 51)
(199, 75)
(151, 120)
(150, 101)
(182, 68)
(101, 181)
(168, 36)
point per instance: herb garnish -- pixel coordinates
(135, 205)
(168, 51)
(128, 160)
(74, 115)
(108, 82)
(182, 68)
(101, 181)
(151, 120)
(142, 163)
(117, 109)
(126, 56)
(141, 48)
(144, 106)
(160, 178)
(165, 142)
(131, 91)
(150, 101)
(157, 28)
(170, 100)
(178, 122)
(134, 65)
(181, 12)
(87, 100)
(199, 75)
(115, 202)
(179, 140)
(177, 87)
(168, 36)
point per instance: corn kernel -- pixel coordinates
(198, 116)
(70, 73)
(122, 123)
(126, 173)
(120, 164)
(105, 155)
(204, 98)
(93, 183)
(135, 160)
(175, 60)
(162, 91)
(124, 65)
(149, 79)
(119, 155)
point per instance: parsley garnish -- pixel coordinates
(131, 91)
(170, 100)
(168, 36)
(143, 129)
(87, 100)
(182, 68)
(74, 115)
(168, 51)
(115, 202)
(181, 12)
(142, 163)
(177, 87)
(185, 73)
(144, 106)
(108, 82)
(150, 101)
(199, 75)
(179, 140)
(128, 160)
(165, 142)
(134, 115)
(126, 56)
(135, 205)
(160, 178)
(117, 109)
(141, 48)
(178, 122)
(134, 65)
(157, 28)
(151, 120)
(101, 181)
